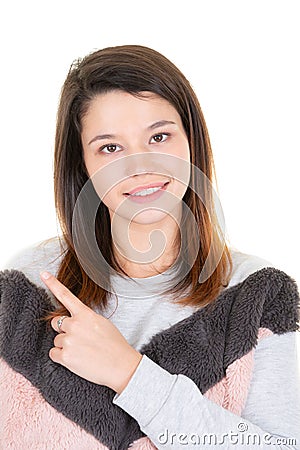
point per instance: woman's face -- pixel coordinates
(118, 125)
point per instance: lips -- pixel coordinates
(142, 188)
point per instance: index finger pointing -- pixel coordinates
(62, 293)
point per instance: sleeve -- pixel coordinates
(172, 412)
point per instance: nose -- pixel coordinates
(139, 160)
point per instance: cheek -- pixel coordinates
(180, 149)
(185, 152)
(111, 199)
(179, 189)
(92, 164)
(100, 175)
(183, 170)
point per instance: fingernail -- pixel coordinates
(45, 275)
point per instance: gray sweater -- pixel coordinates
(170, 409)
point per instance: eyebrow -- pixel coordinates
(154, 125)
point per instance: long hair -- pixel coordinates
(135, 69)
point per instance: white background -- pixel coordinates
(241, 57)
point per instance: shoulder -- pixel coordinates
(263, 289)
(260, 301)
(41, 255)
(244, 264)
(266, 303)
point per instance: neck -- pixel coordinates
(145, 250)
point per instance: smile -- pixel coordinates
(147, 191)
(148, 194)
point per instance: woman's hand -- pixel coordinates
(89, 344)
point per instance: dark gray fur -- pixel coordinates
(201, 346)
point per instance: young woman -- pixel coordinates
(150, 331)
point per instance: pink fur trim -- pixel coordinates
(217, 392)
(231, 392)
(26, 419)
(238, 376)
(142, 444)
(264, 332)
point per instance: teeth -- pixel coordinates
(147, 191)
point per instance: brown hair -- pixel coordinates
(133, 69)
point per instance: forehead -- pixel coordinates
(119, 105)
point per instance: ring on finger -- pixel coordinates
(59, 323)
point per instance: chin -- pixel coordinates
(150, 217)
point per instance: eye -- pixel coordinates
(109, 148)
(160, 137)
